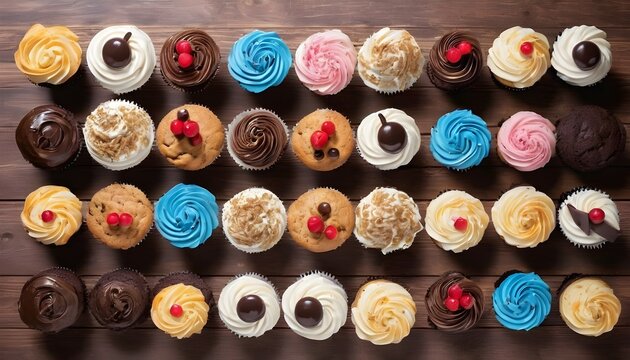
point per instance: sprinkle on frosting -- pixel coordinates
(194, 306)
(526, 141)
(522, 301)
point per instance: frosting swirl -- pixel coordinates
(119, 299)
(259, 60)
(522, 301)
(194, 306)
(526, 141)
(449, 76)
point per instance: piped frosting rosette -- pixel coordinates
(194, 310)
(526, 141)
(521, 301)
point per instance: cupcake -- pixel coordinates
(249, 305)
(325, 62)
(51, 214)
(257, 138)
(388, 139)
(383, 312)
(589, 218)
(189, 60)
(118, 134)
(52, 300)
(48, 55)
(390, 61)
(387, 219)
(48, 137)
(181, 303)
(259, 60)
(254, 220)
(190, 137)
(582, 55)
(315, 306)
(320, 220)
(455, 61)
(121, 58)
(519, 57)
(524, 217)
(120, 216)
(120, 299)
(186, 215)
(456, 221)
(454, 303)
(521, 301)
(526, 141)
(460, 140)
(323, 140)
(590, 138)
(588, 305)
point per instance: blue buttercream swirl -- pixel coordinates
(522, 301)
(259, 60)
(460, 140)
(186, 215)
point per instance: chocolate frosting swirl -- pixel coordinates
(259, 138)
(463, 73)
(453, 321)
(48, 137)
(119, 303)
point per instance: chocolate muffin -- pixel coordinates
(455, 61)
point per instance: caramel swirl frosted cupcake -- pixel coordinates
(455, 61)
(454, 303)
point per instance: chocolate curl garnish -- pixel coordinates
(604, 229)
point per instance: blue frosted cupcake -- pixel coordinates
(460, 140)
(521, 301)
(259, 60)
(186, 215)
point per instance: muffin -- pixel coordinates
(315, 306)
(249, 305)
(519, 57)
(383, 312)
(48, 55)
(254, 220)
(120, 216)
(454, 303)
(121, 58)
(524, 217)
(52, 300)
(48, 137)
(190, 137)
(320, 220)
(388, 139)
(456, 221)
(390, 61)
(460, 140)
(581, 55)
(120, 299)
(118, 134)
(193, 71)
(181, 303)
(257, 138)
(323, 140)
(387, 219)
(590, 138)
(521, 301)
(325, 62)
(589, 218)
(186, 215)
(259, 60)
(526, 141)
(455, 61)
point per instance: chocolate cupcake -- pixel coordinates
(454, 303)
(455, 61)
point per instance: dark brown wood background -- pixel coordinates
(217, 260)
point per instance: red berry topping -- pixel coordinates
(125, 219)
(177, 127)
(464, 47)
(453, 55)
(176, 310)
(196, 140)
(455, 291)
(185, 60)
(461, 224)
(183, 47)
(330, 232)
(527, 48)
(48, 216)
(113, 219)
(319, 139)
(467, 301)
(451, 304)
(315, 224)
(328, 127)
(191, 128)
(596, 215)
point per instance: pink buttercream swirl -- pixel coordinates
(325, 62)
(526, 141)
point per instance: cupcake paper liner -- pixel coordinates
(322, 274)
(504, 276)
(509, 88)
(568, 280)
(207, 291)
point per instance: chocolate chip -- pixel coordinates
(318, 154)
(324, 209)
(182, 115)
(333, 153)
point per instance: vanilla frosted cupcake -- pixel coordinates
(456, 221)
(388, 139)
(390, 61)
(254, 220)
(524, 217)
(526, 141)
(118, 134)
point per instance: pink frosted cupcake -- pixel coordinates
(325, 62)
(526, 141)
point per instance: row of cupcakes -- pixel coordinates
(122, 59)
(315, 306)
(320, 220)
(120, 135)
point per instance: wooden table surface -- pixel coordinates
(217, 260)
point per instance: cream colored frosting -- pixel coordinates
(448, 207)
(193, 304)
(383, 312)
(67, 214)
(589, 307)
